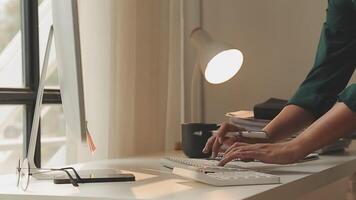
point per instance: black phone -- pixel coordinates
(97, 179)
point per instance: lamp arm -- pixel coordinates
(196, 95)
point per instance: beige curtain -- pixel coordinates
(146, 113)
(132, 60)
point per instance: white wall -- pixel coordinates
(279, 40)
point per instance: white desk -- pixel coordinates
(156, 182)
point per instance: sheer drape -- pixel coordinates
(137, 108)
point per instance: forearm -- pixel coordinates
(289, 121)
(338, 122)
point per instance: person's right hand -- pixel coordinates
(216, 141)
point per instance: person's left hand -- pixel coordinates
(277, 153)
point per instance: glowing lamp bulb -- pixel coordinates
(223, 66)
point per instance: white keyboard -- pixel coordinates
(207, 171)
(172, 162)
(227, 178)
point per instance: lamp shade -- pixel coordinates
(219, 62)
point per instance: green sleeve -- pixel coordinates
(334, 64)
(348, 96)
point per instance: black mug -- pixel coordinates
(194, 138)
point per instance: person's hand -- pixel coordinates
(277, 153)
(216, 141)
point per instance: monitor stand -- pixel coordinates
(41, 173)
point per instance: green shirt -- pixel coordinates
(334, 63)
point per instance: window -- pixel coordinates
(11, 137)
(20, 60)
(10, 56)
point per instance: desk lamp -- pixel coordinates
(218, 62)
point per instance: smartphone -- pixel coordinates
(97, 179)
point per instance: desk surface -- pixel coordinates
(156, 182)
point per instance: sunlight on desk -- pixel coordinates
(37, 187)
(155, 189)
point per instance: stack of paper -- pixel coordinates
(245, 119)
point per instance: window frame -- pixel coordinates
(31, 75)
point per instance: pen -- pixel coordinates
(247, 134)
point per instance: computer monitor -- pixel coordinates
(67, 42)
(68, 52)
